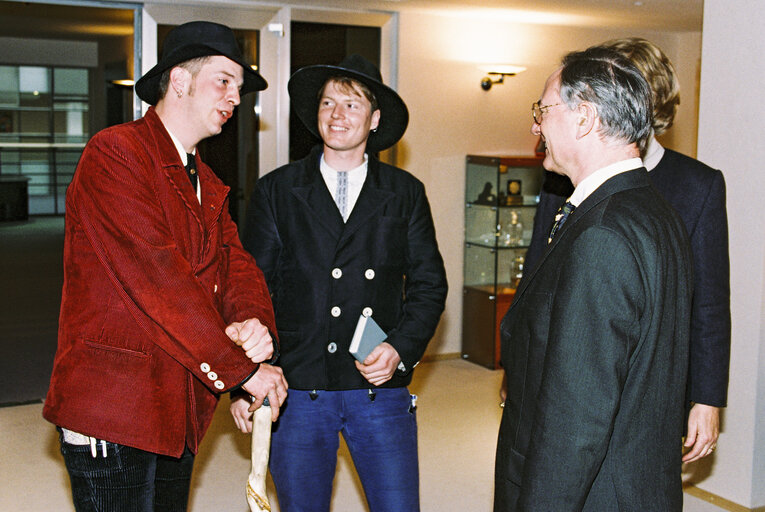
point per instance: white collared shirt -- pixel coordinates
(653, 154)
(182, 152)
(356, 179)
(591, 183)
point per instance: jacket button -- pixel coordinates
(337, 273)
(332, 347)
(212, 375)
(218, 384)
(335, 311)
(367, 312)
(204, 367)
(215, 289)
(369, 274)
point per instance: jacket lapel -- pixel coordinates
(172, 165)
(623, 181)
(371, 200)
(312, 192)
(214, 194)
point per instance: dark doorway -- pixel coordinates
(320, 43)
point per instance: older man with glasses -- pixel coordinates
(595, 343)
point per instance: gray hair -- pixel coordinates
(606, 79)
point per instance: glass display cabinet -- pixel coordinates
(501, 196)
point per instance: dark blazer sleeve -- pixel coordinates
(582, 381)
(697, 192)
(711, 324)
(425, 287)
(260, 236)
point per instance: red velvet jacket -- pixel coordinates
(151, 279)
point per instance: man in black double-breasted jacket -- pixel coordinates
(340, 235)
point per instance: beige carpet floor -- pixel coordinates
(458, 417)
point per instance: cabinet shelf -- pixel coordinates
(501, 196)
(493, 247)
(527, 203)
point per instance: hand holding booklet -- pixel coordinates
(366, 337)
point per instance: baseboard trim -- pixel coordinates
(717, 500)
(429, 358)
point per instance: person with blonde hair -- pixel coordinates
(697, 192)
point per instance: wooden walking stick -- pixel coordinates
(257, 498)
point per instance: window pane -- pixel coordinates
(70, 83)
(71, 125)
(36, 165)
(66, 162)
(9, 86)
(9, 124)
(35, 126)
(34, 86)
(10, 161)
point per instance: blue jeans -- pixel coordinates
(127, 479)
(381, 435)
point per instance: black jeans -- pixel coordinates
(127, 479)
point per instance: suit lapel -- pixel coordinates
(172, 166)
(371, 200)
(312, 192)
(623, 181)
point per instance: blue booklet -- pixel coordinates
(366, 337)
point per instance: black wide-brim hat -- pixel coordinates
(192, 40)
(305, 84)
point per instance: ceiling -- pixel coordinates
(18, 19)
(679, 15)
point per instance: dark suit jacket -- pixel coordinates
(384, 258)
(697, 192)
(151, 279)
(595, 348)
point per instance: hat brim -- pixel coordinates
(304, 86)
(147, 87)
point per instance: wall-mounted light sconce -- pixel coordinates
(497, 74)
(124, 82)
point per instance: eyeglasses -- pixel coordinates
(537, 111)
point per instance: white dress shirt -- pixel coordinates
(356, 179)
(588, 185)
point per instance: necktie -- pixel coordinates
(560, 217)
(191, 170)
(341, 194)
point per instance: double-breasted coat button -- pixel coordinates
(369, 274)
(336, 311)
(218, 384)
(212, 375)
(332, 347)
(204, 367)
(367, 312)
(337, 273)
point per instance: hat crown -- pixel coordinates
(207, 33)
(362, 66)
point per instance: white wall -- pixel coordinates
(731, 127)
(437, 73)
(451, 116)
